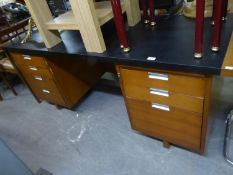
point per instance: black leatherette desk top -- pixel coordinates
(171, 42)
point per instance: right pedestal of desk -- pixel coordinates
(171, 106)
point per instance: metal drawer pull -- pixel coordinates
(229, 67)
(26, 57)
(38, 78)
(158, 76)
(159, 106)
(32, 68)
(159, 92)
(45, 91)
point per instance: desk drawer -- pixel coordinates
(186, 102)
(46, 90)
(21, 59)
(194, 86)
(167, 123)
(50, 95)
(35, 72)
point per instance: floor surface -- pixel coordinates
(96, 138)
(9, 162)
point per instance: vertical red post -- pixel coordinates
(199, 30)
(144, 4)
(213, 13)
(116, 24)
(152, 12)
(119, 23)
(225, 7)
(217, 26)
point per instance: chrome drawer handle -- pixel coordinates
(32, 68)
(158, 76)
(46, 91)
(161, 107)
(229, 67)
(26, 57)
(159, 92)
(38, 78)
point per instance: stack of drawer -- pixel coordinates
(39, 77)
(165, 105)
(60, 80)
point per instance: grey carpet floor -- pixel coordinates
(96, 138)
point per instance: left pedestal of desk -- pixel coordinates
(62, 81)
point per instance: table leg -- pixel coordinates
(144, 4)
(152, 12)
(166, 144)
(225, 7)
(213, 13)
(217, 26)
(200, 9)
(119, 23)
(1, 99)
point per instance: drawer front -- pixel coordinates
(166, 123)
(194, 86)
(150, 94)
(21, 59)
(36, 71)
(51, 95)
(45, 89)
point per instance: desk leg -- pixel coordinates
(166, 144)
(217, 25)
(144, 4)
(119, 23)
(200, 9)
(152, 12)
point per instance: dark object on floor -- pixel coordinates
(3, 77)
(227, 138)
(6, 67)
(10, 164)
(42, 171)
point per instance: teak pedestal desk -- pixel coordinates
(166, 90)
